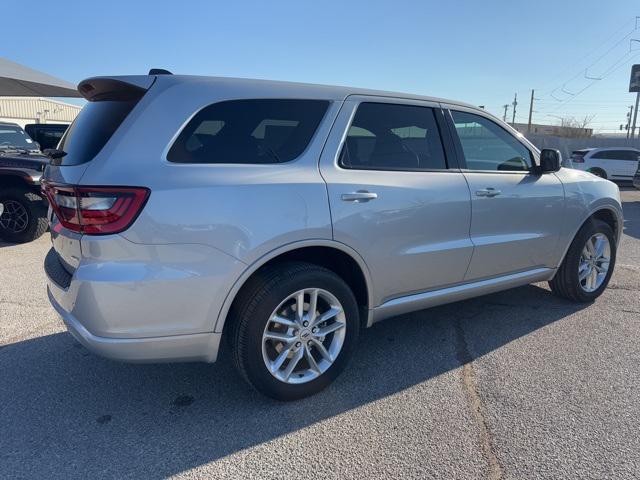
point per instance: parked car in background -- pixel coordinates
(617, 163)
(636, 178)
(24, 208)
(287, 217)
(46, 134)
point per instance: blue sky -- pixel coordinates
(481, 52)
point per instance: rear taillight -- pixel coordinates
(95, 210)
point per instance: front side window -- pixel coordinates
(487, 146)
(386, 136)
(249, 132)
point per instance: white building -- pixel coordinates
(25, 110)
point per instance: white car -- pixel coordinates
(617, 163)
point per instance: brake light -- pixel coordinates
(95, 210)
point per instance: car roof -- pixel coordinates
(600, 149)
(275, 87)
(334, 92)
(9, 124)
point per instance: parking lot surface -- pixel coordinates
(518, 384)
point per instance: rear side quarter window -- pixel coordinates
(260, 131)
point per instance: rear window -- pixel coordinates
(249, 132)
(92, 128)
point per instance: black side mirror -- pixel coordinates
(550, 160)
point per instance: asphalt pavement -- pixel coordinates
(518, 384)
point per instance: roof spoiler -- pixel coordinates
(98, 89)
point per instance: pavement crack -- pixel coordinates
(621, 287)
(470, 385)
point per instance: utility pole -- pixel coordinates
(635, 115)
(515, 104)
(504, 117)
(530, 112)
(629, 115)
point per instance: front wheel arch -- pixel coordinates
(605, 214)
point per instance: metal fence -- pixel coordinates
(567, 145)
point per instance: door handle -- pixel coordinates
(359, 197)
(488, 192)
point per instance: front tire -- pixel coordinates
(294, 328)
(588, 265)
(24, 216)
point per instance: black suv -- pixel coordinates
(23, 207)
(46, 134)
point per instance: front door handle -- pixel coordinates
(359, 196)
(488, 192)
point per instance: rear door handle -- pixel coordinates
(359, 197)
(488, 192)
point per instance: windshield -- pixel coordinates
(15, 137)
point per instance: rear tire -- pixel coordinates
(318, 357)
(598, 172)
(568, 283)
(24, 217)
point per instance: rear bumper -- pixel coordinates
(198, 347)
(140, 303)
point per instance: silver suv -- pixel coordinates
(287, 217)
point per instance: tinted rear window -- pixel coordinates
(92, 128)
(249, 132)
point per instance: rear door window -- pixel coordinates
(386, 136)
(260, 131)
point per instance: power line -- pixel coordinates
(617, 65)
(593, 50)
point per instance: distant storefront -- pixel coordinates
(555, 130)
(25, 110)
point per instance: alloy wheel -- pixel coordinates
(304, 336)
(14, 218)
(594, 262)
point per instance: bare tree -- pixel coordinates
(573, 122)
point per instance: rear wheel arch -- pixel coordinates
(334, 256)
(600, 172)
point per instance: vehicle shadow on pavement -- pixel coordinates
(103, 418)
(632, 219)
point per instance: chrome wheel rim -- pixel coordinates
(304, 336)
(594, 262)
(15, 217)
